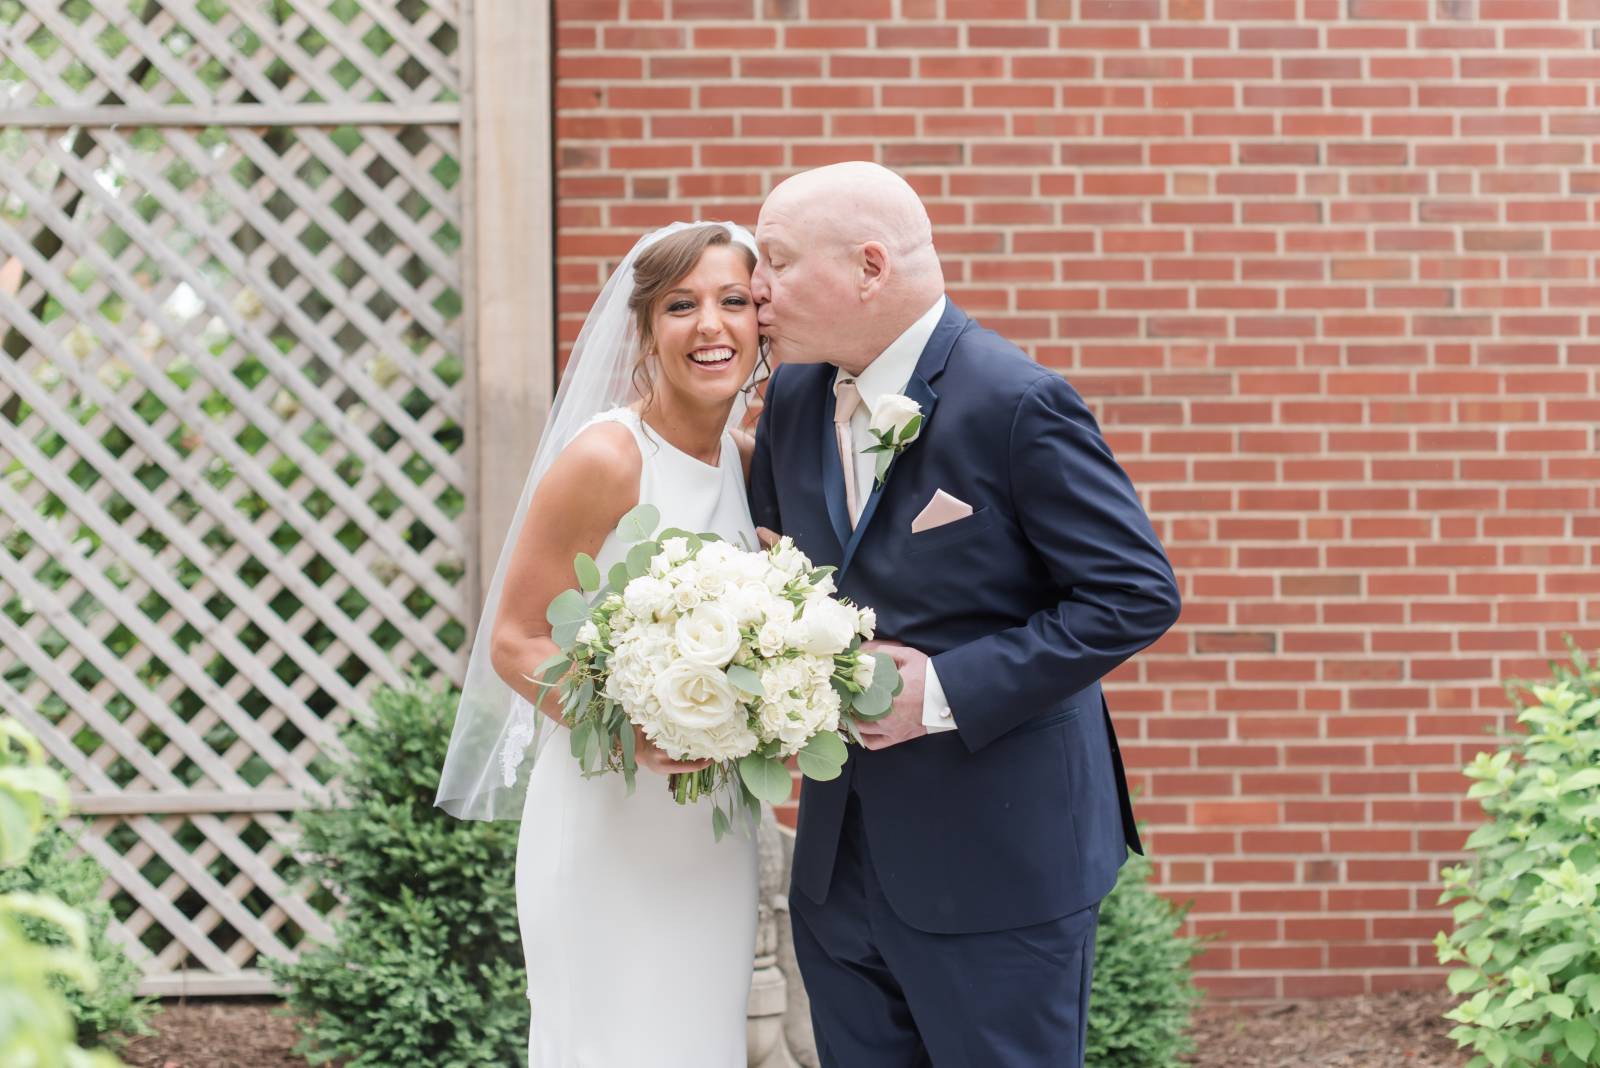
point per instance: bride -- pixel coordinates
(638, 927)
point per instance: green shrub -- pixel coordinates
(36, 1024)
(109, 1012)
(1527, 927)
(1143, 993)
(426, 966)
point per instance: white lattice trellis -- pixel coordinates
(231, 408)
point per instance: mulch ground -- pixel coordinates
(224, 1033)
(1400, 1030)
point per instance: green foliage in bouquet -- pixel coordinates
(109, 1012)
(36, 1021)
(1527, 925)
(1143, 992)
(602, 736)
(426, 965)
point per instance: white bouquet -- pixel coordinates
(737, 656)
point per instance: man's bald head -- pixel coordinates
(853, 203)
(847, 263)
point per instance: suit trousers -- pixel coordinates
(886, 995)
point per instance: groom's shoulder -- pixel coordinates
(993, 367)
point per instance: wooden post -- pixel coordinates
(510, 265)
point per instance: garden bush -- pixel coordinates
(1527, 927)
(36, 1020)
(426, 965)
(109, 1013)
(1143, 992)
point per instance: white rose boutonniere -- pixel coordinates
(896, 423)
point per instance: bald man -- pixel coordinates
(947, 884)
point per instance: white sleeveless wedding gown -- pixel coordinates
(639, 928)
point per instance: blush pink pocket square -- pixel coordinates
(941, 510)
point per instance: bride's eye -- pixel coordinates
(680, 305)
(737, 302)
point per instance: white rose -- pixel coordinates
(718, 555)
(707, 635)
(780, 610)
(893, 413)
(866, 622)
(646, 597)
(588, 634)
(676, 550)
(695, 697)
(686, 596)
(866, 671)
(824, 628)
(711, 583)
(788, 559)
(772, 638)
(746, 603)
(825, 586)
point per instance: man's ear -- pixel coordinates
(874, 267)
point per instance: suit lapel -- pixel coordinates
(929, 366)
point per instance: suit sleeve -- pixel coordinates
(763, 489)
(1116, 590)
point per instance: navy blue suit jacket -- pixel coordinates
(1021, 814)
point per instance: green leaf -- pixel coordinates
(617, 578)
(1461, 980)
(580, 738)
(719, 822)
(766, 778)
(1557, 957)
(1558, 1005)
(639, 558)
(874, 703)
(630, 762)
(746, 680)
(639, 523)
(566, 615)
(1580, 780)
(909, 431)
(588, 572)
(1580, 1038)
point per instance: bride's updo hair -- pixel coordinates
(658, 269)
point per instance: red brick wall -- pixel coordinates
(1327, 271)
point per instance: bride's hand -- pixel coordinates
(647, 755)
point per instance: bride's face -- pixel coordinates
(705, 328)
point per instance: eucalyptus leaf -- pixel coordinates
(588, 572)
(639, 523)
(639, 558)
(747, 680)
(766, 778)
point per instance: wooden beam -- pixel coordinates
(142, 803)
(264, 116)
(200, 984)
(510, 263)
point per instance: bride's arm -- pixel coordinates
(586, 492)
(580, 500)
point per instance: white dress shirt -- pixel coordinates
(886, 376)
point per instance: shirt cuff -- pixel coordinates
(936, 714)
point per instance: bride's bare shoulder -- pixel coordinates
(600, 466)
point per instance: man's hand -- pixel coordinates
(768, 538)
(904, 721)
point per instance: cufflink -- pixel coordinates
(944, 713)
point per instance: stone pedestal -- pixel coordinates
(779, 1027)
